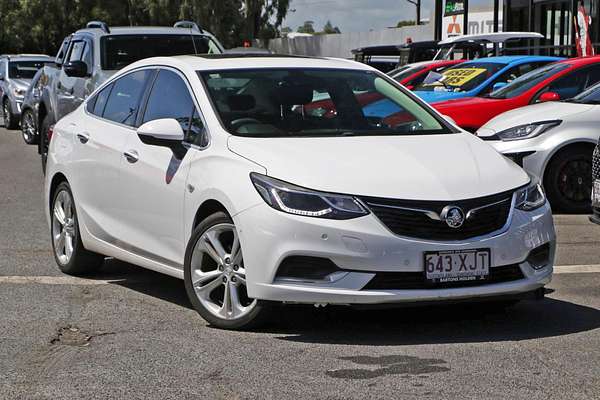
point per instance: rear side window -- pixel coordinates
(576, 82)
(97, 103)
(124, 99)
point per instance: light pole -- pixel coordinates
(417, 4)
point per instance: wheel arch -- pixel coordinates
(207, 208)
(57, 179)
(580, 142)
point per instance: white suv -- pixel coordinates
(287, 179)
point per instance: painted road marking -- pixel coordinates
(71, 280)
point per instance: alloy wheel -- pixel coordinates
(28, 127)
(63, 227)
(6, 114)
(218, 275)
(575, 180)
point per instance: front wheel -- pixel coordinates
(568, 180)
(215, 276)
(10, 121)
(70, 255)
(28, 128)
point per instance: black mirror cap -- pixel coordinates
(76, 69)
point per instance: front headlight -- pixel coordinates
(527, 131)
(18, 92)
(530, 197)
(296, 200)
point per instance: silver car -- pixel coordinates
(16, 73)
(554, 141)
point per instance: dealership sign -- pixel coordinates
(454, 7)
(479, 22)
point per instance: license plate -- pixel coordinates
(457, 265)
(596, 193)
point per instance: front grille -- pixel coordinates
(410, 217)
(596, 162)
(416, 280)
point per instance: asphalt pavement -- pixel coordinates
(128, 333)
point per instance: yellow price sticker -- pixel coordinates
(459, 76)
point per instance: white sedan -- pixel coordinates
(553, 141)
(264, 179)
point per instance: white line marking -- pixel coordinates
(577, 269)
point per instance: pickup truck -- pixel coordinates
(88, 57)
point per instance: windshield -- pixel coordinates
(527, 81)
(315, 102)
(118, 51)
(590, 96)
(401, 75)
(463, 77)
(25, 69)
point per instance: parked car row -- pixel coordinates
(495, 98)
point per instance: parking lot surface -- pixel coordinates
(131, 333)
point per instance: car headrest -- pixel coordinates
(241, 102)
(292, 93)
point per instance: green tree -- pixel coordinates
(329, 28)
(307, 27)
(405, 23)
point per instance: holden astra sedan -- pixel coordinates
(554, 141)
(561, 80)
(214, 170)
(478, 77)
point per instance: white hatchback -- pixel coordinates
(288, 179)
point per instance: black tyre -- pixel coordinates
(44, 142)
(215, 276)
(70, 255)
(29, 128)
(568, 180)
(10, 121)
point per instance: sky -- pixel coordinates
(354, 15)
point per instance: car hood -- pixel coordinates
(533, 113)
(466, 102)
(424, 167)
(432, 97)
(21, 83)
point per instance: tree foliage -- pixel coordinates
(307, 27)
(405, 23)
(39, 26)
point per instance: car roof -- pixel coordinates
(207, 62)
(143, 30)
(27, 57)
(582, 60)
(512, 59)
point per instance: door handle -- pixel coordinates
(83, 137)
(132, 156)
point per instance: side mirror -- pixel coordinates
(161, 132)
(549, 96)
(76, 69)
(498, 85)
(409, 87)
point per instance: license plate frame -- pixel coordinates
(468, 265)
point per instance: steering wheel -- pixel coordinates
(238, 123)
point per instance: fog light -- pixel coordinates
(539, 257)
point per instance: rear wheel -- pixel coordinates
(10, 121)
(28, 127)
(70, 255)
(215, 276)
(568, 180)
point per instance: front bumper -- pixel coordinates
(363, 247)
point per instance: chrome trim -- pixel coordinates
(473, 210)
(431, 214)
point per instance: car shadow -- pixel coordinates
(431, 324)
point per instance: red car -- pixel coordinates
(552, 82)
(413, 74)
